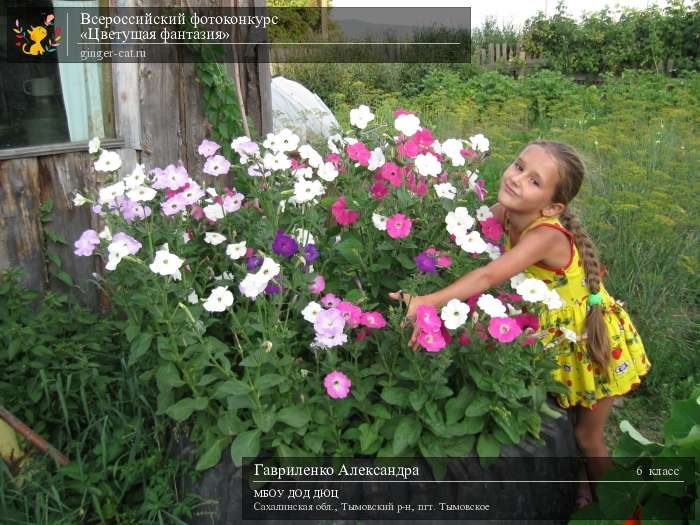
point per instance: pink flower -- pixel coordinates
(337, 384)
(528, 323)
(216, 165)
(444, 261)
(398, 226)
(427, 318)
(351, 313)
(359, 153)
(379, 190)
(505, 329)
(372, 320)
(330, 301)
(392, 173)
(401, 111)
(87, 243)
(509, 297)
(471, 301)
(362, 333)
(432, 341)
(336, 160)
(207, 148)
(424, 137)
(343, 215)
(409, 149)
(173, 205)
(318, 284)
(464, 339)
(197, 212)
(492, 229)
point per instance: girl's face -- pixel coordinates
(528, 184)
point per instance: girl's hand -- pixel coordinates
(413, 302)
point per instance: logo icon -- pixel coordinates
(37, 40)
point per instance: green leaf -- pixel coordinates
(350, 249)
(684, 415)
(478, 407)
(367, 436)
(458, 447)
(232, 387)
(264, 420)
(168, 376)
(230, 424)
(379, 411)
(295, 416)
(406, 262)
(268, 381)
(184, 408)
(139, 347)
(455, 407)
(487, 446)
(469, 425)
(406, 434)
(417, 398)
(212, 456)
(246, 444)
(314, 442)
(396, 395)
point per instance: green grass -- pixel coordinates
(638, 134)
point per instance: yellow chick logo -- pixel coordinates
(36, 35)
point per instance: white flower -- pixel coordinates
(79, 200)
(376, 159)
(252, 285)
(136, 178)
(108, 161)
(479, 143)
(361, 116)
(236, 251)
(307, 190)
(192, 297)
(94, 145)
(471, 242)
(532, 290)
(483, 213)
(349, 141)
(303, 173)
(276, 162)
(219, 299)
(379, 221)
(491, 306)
(281, 206)
(287, 140)
(445, 190)
(311, 311)
(109, 193)
(428, 165)
(166, 263)
(271, 142)
(517, 279)
(214, 212)
(214, 238)
(308, 153)
(327, 171)
(569, 334)
(117, 251)
(459, 221)
(512, 310)
(454, 314)
(304, 237)
(452, 148)
(493, 251)
(268, 269)
(105, 234)
(141, 193)
(185, 237)
(553, 301)
(407, 124)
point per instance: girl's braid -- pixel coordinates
(571, 174)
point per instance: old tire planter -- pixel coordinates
(220, 486)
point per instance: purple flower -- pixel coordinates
(87, 243)
(310, 253)
(254, 262)
(329, 322)
(272, 288)
(131, 210)
(425, 263)
(216, 165)
(132, 244)
(207, 148)
(284, 245)
(173, 205)
(330, 301)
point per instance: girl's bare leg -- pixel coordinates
(590, 437)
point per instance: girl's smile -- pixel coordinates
(528, 184)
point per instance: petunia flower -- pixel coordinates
(432, 341)
(284, 245)
(492, 229)
(342, 214)
(207, 148)
(219, 299)
(373, 320)
(337, 384)
(427, 318)
(318, 284)
(398, 226)
(504, 329)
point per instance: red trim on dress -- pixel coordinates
(571, 246)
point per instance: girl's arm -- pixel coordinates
(529, 250)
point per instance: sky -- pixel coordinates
(505, 11)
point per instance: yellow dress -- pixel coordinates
(628, 363)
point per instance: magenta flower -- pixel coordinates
(505, 329)
(409, 148)
(372, 320)
(379, 190)
(464, 339)
(216, 165)
(207, 148)
(398, 226)
(351, 313)
(330, 301)
(528, 323)
(427, 318)
(318, 285)
(424, 137)
(284, 245)
(329, 322)
(392, 173)
(444, 261)
(87, 243)
(337, 384)
(492, 229)
(359, 153)
(432, 341)
(342, 214)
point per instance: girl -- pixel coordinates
(546, 241)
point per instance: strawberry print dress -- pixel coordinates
(565, 332)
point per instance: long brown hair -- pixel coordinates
(571, 174)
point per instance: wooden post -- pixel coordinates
(492, 57)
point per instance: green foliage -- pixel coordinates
(642, 39)
(65, 375)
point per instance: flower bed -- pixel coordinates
(262, 310)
